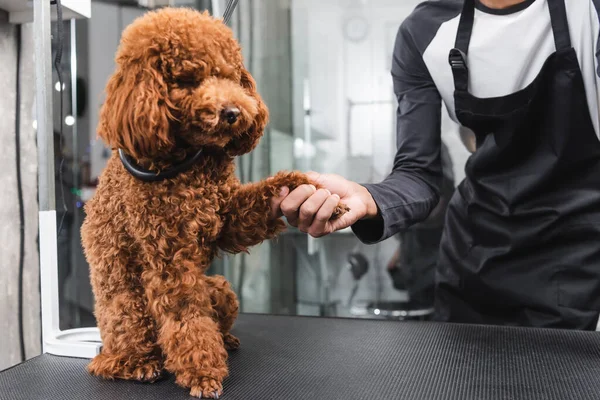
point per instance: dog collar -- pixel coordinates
(146, 175)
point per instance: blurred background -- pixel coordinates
(323, 68)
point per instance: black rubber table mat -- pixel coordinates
(289, 358)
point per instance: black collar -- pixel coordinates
(150, 176)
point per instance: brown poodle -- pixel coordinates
(180, 92)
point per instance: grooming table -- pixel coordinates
(289, 358)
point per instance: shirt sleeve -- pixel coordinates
(596, 7)
(411, 191)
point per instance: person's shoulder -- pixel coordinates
(433, 12)
(424, 21)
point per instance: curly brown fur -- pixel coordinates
(149, 244)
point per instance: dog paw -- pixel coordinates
(106, 366)
(294, 179)
(340, 210)
(207, 389)
(231, 342)
(148, 373)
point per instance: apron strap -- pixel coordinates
(560, 24)
(458, 55)
(465, 27)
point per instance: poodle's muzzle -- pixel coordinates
(222, 106)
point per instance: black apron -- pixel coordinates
(521, 243)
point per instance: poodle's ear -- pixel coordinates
(136, 113)
(249, 139)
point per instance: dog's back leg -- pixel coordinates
(189, 337)
(226, 306)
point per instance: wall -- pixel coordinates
(9, 210)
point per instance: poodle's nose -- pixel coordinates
(231, 114)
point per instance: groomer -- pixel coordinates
(521, 243)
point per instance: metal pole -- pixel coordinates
(74, 110)
(43, 83)
(216, 8)
(47, 201)
(74, 160)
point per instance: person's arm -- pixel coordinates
(409, 194)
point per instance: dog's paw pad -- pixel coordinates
(207, 389)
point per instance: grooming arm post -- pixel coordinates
(83, 342)
(47, 212)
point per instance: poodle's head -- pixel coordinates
(180, 84)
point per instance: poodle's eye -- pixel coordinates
(187, 81)
(215, 71)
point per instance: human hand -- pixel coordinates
(276, 202)
(310, 209)
(281, 184)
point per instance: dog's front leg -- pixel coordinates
(188, 335)
(248, 220)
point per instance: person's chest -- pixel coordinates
(507, 52)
